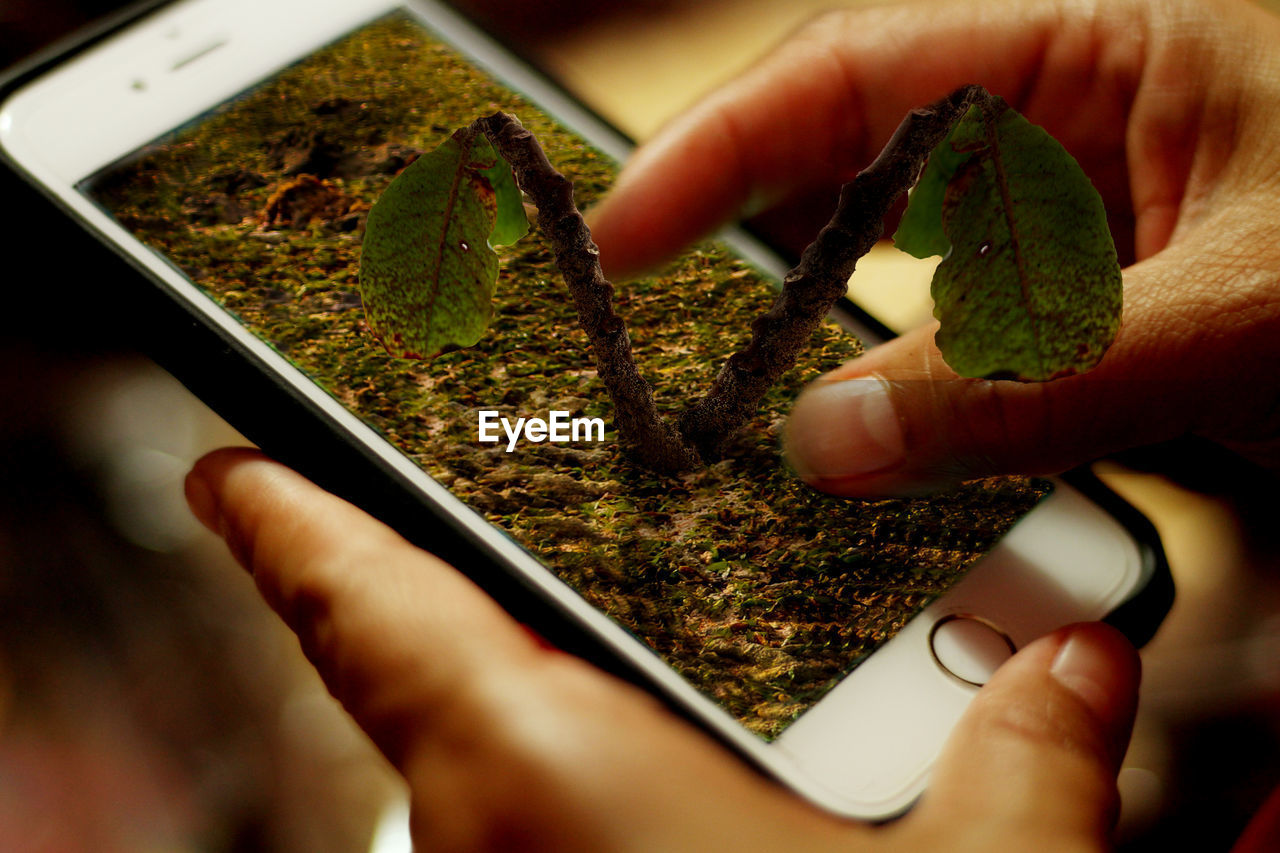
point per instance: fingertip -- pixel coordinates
(841, 439)
(200, 499)
(1076, 687)
(873, 427)
(205, 483)
(844, 430)
(664, 200)
(235, 492)
(1038, 749)
(622, 255)
(1093, 661)
(214, 467)
(1100, 667)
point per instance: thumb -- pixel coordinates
(898, 420)
(1195, 354)
(1036, 755)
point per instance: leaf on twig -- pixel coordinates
(427, 268)
(512, 223)
(1029, 287)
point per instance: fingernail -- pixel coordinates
(1086, 665)
(201, 501)
(844, 428)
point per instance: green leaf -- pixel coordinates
(426, 268)
(512, 222)
(920, 231)
(1030, 287)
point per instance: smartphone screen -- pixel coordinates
(758, 590)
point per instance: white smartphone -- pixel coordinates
(213, 161)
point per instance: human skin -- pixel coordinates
(509, 745)
(1172, 109)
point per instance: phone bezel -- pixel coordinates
(236, 374)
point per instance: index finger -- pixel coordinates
(820, 107)
(503, 743)
(312, 555)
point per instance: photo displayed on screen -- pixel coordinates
(757, 589)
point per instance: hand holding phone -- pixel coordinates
(832, 644)
(507, 744)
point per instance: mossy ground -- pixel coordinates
(759, 590)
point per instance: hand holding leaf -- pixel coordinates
(1030, 287)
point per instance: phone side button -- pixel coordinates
(969, 648)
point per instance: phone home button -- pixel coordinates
(968, 647)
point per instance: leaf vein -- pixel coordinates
(1015, 237)
(451, 202)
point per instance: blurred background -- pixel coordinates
(149, 701)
